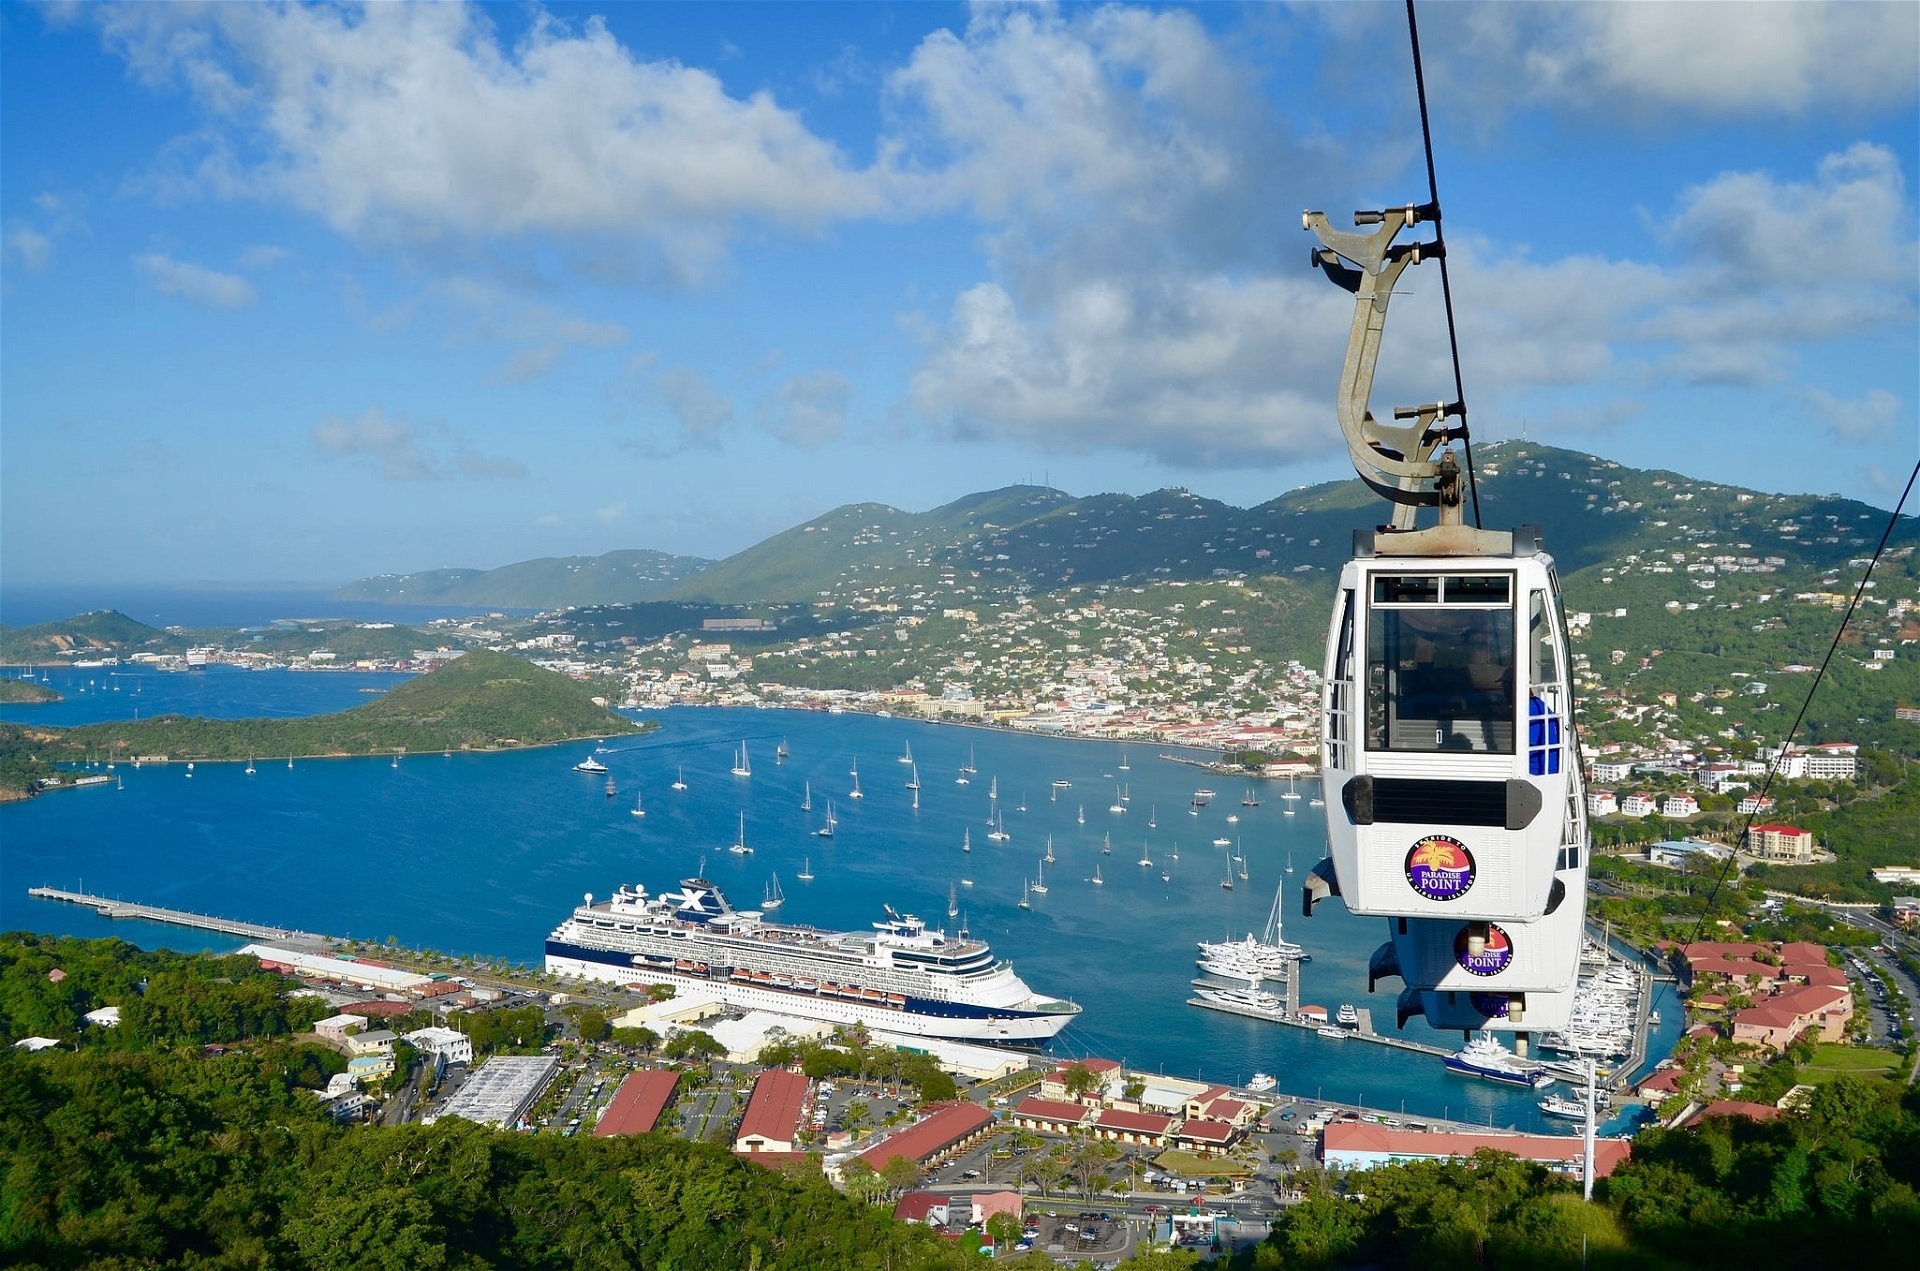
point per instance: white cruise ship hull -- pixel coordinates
(1011, 1028)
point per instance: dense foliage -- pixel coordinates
(22, 763)
(1835, 1180)
(25, 692)
(480, 700)
(106, 631)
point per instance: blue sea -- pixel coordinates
(484, 854)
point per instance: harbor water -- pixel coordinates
(484, 854)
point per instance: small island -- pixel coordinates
(479, 701)
(25, 693)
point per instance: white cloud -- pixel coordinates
(812, 408)
(414, 123)
(263, 256)
(699, 410)
(197, 283)
(399, 451)
(28, 246)
(1869, 418)
(541, 333)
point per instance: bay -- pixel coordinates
(188, 605)
(485, 854)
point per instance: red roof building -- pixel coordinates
(1049, 1116)
(1206, 1136)
(636, 1106)
(1132, 1127)
(1362, 1145)
(772, 1120)
(1775, 1022)
(949, 1127)
(376, 1009)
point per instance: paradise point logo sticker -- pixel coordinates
(1492, 1005)
(1440, 867)
(1488, 954)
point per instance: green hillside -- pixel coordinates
(478, 701)
(104, 633)
(552, 582)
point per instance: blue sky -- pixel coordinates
(309, 293)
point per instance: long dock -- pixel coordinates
(154, 913)
(1363, 1032)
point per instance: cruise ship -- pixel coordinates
(899, 977)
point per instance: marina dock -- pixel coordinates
(154, 913)
(1291, 1017)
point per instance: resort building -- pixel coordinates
(1780, 843)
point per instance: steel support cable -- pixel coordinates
(1446, 284)
(1773, 769)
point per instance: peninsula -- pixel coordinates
(481, 700)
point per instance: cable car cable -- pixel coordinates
(1446, 285)
(1893, 520)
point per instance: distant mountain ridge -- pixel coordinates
(622, 577)
(1027, 538)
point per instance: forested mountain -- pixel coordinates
(622, 577)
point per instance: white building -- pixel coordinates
(449, 1044)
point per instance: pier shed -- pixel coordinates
(344, 970)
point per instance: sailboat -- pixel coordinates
(1023, 803)
(913, 777)
(1292, 794)
(249, 765)
(611, 788)
(1083, 814)
(1289, 862)
(953, 901)
(826, 830)
(966, 840)
(1126, 792)
(1024, 902)
(741, 768)
(1116, 805)
(740, 847)
(806, 870)
(1226, 884)
(773, 897)
(189, 769)
(1096, 880)
(1048, 858)
(1153, 818)
(1175, 854)
(680, 782)
(855, 792)
(962, 779)
(781, 752)
(916, 798)
(1243, 868)
(906, 756)
(997, 830)
(970, 770)
(806, 799)
(1123, 762)
(1252, 800)
(123, 785)
(1146, 861)
(1040, 884)
(1106, 844)
(637, 809)
(289, 761)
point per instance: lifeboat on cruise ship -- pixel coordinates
(897, 999)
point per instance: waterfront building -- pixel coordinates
(776, 1111)
(1359, 1145)
(636, 1106)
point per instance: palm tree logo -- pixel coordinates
(1440, 867)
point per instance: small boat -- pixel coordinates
(122, 781)
(741, 768)
(1328, 1030)
(1558, 1105)
(589, 764)
(826, 830)
(1096, 880)
(913, 778)
(1040, 884)
(1289, 862)
(1124, 767)
(1083, 814)
(1061, 783)
(289, 761)
(781, 752)
(1116, 805)
(916, 798)
(906, 755)
(855, 792)
(1024, 902)
(966, 840)
(966, 882)
(1106, 845)
(806, 870)
(1146, 860)
(1223, 841)
(1226, 884)
(396, 763)
(1261, 1081)
(1153, 818)
(773, 897)
(189, 769)
(806, 799)
(249, 765)
(1347, 1015)
(1048, 858)
(968, 767)
(962, 779)
(610, 788)
(1203, 796)
(680, 782)
(1023, 804)
(1292, 794)
(953, 901)
(638, 810)
(1233, 818)
(739, 847)
(1250, 799)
